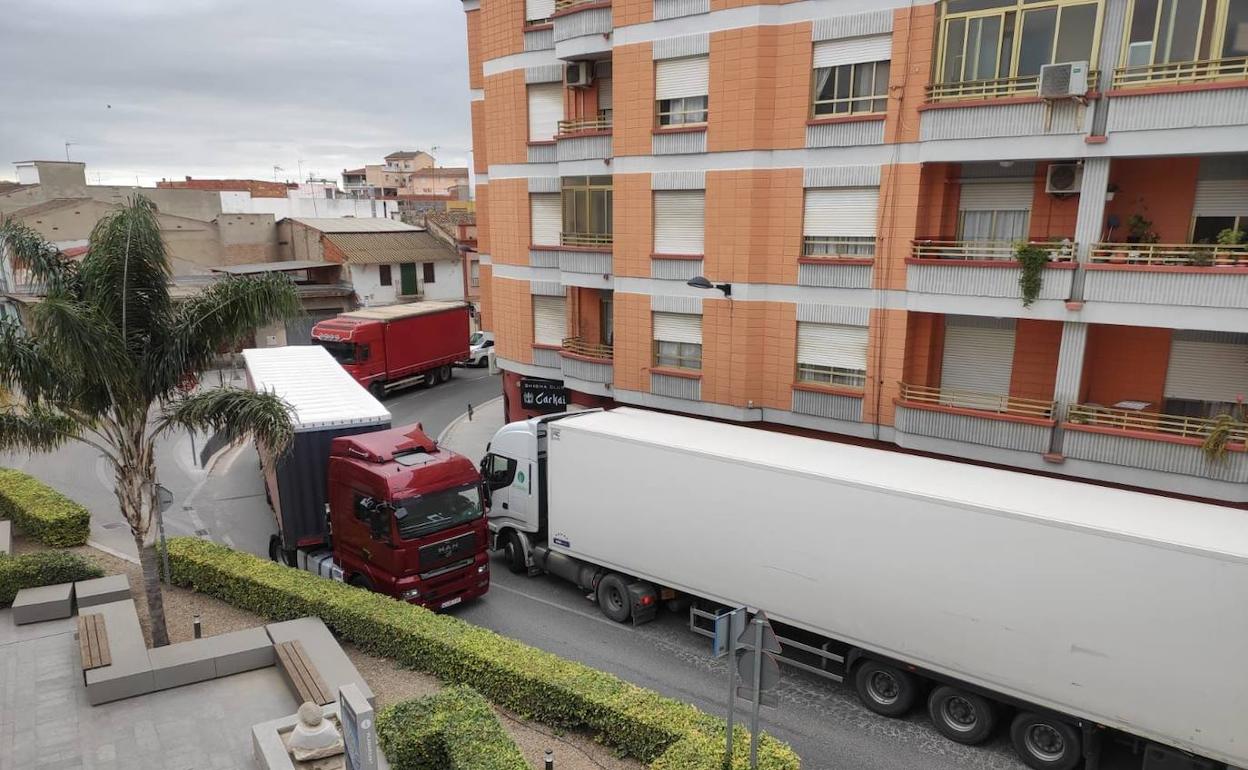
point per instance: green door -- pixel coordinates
(407, 279)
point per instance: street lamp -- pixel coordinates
(702, 282)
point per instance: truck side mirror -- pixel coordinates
(379, 523)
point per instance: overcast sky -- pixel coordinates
(230, 88)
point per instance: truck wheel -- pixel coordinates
(886, 690)
(275, 549)
(378, 389)
(613, 598)
(962, 717)
(445, 373)
(360, 581)
(431, 378)
(1045, 743)
(514, 553)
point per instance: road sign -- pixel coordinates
(770, 642)
(164, 498)
(745, 669)
(729, 625)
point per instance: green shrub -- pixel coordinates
(41, 568)
(639, 723)
(453, 730)
(41, 512)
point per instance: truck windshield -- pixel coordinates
(343, 352)
(420, 516)
(475, 339)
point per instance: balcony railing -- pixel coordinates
(563, 5)
(988, 251)
(837, 246)
(581, 347)
(592, 240)
(981, 402)
(1182, 72)
(584, 125)
(994, 88)
(1151, 422)
(1173, 254)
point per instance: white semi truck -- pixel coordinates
(1098, 626)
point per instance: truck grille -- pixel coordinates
(445, 552)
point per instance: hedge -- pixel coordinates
(453, 730)
(41, 568)
(639, 723)
(41, 512)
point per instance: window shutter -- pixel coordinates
(674, 78)
(545, 218)
(836, 345)
(849, 211)
(545, 111)
(678, 327)
(604, 94)
(979, 355)
(1014, 195)
(1207, 371)
(832, 53)
(679, 222)
(538, 10)
(549, 320)
(1221, 198)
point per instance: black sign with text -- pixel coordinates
(544, 396)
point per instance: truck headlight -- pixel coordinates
(410, 594)
(483, 569)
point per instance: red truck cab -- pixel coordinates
(354, 343)
(407, 519)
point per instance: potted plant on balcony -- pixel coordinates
(1223, 430)
(1139, 230)
(1202, 254)
(1232, 237)
(1032, 259)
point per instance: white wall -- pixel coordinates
(296, 206)
(448, 281)
(367, 282)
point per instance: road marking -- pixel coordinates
(562, 607)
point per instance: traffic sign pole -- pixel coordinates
(758, 694)
(732, 687)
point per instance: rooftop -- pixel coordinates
(354, 224)
(393, 248)
(272, 267)
(407, 154)
(49, 205)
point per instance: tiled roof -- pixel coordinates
(8, 187)
(354, 224)
(451, 218)
(257, 187)
(391, 248)
(442, 171)
(406, 155)
(49, 205)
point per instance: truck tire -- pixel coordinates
(960, 716)
(378, 389)
(360, 581)
(445, 373)
(275, 549)
(1045, 743)
(613, 597)
(513, 552)
(885, 689)
(431, 378)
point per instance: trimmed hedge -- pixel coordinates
(638, 722)
(453, 730)
(41, 568)
(41, 512)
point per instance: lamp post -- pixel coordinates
(702, 282)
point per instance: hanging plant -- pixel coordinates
(1223, 430)
(1032, 259)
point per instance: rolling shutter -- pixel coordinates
(1221, 198)
(844, 347)
(545, 111)
(841, 211)
(674, 78)
(538, 10)
(604, 94)
(1207, 371)
(985, 195)
(679, 222)
(546, 219)
(979, 355)
(853, 50)
(678, 327)
(549, 320)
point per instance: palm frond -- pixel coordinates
(36, 429)
(49, 270)
(25, 366)
(87, 352)
(234, 413)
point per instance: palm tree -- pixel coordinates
(108, 357)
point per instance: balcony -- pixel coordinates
(582, 29)
(584, 139)
(600, 124)
(836, 262)
(1210, 71)
(995, 88)
(1154, 441)
(1005, 422)
(985, 269)
(595, 241)
(1192, 274)
(587, 361)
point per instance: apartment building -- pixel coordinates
(1010, 231)
(405, 172)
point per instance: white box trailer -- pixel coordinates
(1082, 606)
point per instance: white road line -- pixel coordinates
(562, 607)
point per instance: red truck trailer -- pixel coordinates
(358, 501)
(396, 346)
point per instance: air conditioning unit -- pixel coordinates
(1063, 179)
(579, 74)
(1062, 81)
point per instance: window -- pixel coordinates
(1000, 39)
(545, 111)
(677, 340)
(1162, 35)
(1207, 229)
(606, 320)
(832, 354)
(1221, 204)
(383, 275)
(545, 219)
(995, 210)
(427, 274)
(363, 508)
(1206, 373)
(851, 75)
(680, 90)
(538, 11)
(587, 212)
(500, 471)
(437, 511)
(474, 273)
(550, 321)
(679, 221)
(840, 222)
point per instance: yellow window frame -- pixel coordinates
(1217, 33)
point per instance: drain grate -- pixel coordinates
(202, 532)
(113, 525)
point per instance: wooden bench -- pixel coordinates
(303, 675)
(93, 641)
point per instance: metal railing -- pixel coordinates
(1181, 72)
(581, 347)
(992, 88)
(982, 402)
(581, 125)
(585, 239)
(988, 251)
(836, 246)
(1186, 254)
(563, 5)
(1151, 422)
